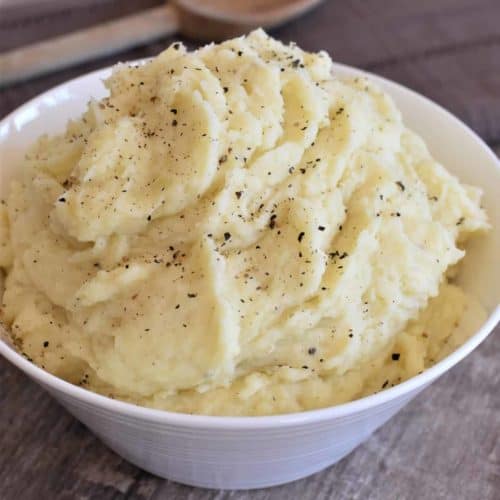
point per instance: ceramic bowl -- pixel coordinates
(254, 452)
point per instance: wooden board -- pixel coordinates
(446, 443)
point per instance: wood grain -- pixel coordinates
(446, 443)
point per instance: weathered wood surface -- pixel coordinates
(446, 443)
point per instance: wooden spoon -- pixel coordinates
(201, 19)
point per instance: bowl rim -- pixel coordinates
(186, 420)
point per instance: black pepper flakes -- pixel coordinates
(46, 343)
(227, 236)
(238, 194)
(401, 185)
(301, 235)
(62, 199)
(311, 351)
(192, 295)
(395, 356)
(321, 228)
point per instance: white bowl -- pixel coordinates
(254, 452)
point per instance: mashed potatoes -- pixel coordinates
(236, 231)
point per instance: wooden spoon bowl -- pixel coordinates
(215, 20)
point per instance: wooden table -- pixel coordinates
(446, 443)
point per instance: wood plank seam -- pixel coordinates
(425, 54)
(52, 16)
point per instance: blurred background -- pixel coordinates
(448, 50)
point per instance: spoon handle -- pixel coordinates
(101, 40)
